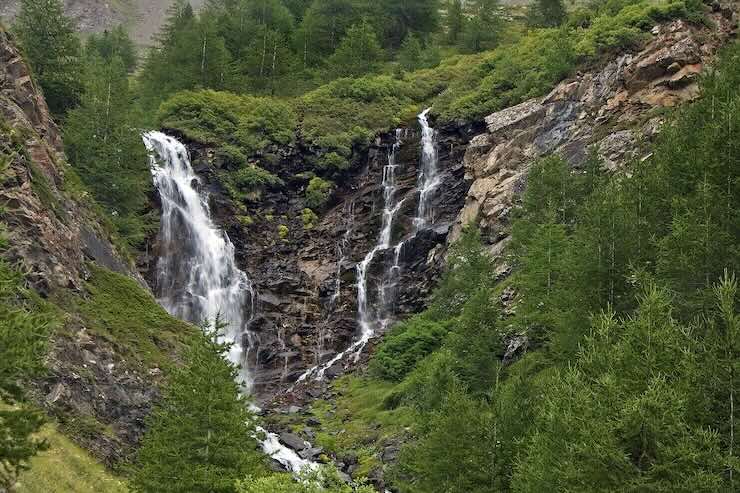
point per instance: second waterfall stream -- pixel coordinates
(197, 276)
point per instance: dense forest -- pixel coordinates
(621, 286)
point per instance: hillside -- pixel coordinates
(348, 246)
(142, 18)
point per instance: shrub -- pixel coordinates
(283, 231)
(249, 182)
(224, 119)
(318, 192)
(407, 344)
(309, 219)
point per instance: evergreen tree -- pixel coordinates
(482, 25)
(406, 16)
(112, 44)
(411, 52)
(200, 437)
(546, 13)
(454, 20)
(53, 50)
(105, 148)
(358, 53)
(23, 333)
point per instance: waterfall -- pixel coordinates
(371, 319)
(197, 276)
(378, 316)
(429, 179)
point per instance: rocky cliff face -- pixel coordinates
(307, 282)
(56, 238)
(143, 18)
(612, 111)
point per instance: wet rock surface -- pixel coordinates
(302, 320)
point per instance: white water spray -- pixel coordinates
(429, 178)
(197, 275)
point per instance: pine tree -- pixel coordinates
(358, 53)
(546, 13)
(106, 150)
(53, 50)
(482, 25)
(200, 437)
(454, 20)
(22, 347)
(410, 54)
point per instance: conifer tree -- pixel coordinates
(546, 13)
(22, 347)
(53, 50)
(358, 53)
(454, 20)
(200, 437)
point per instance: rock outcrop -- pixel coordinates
(54, 236)
(612, 111)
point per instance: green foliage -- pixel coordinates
(407, 344)
(625, 290)
(223, 119)
(482, 26)
(283, 232)
(106, 149)
(67, 467)
(140, 329)
(469, 268)
(23, 332)
(113, 44)
(248, 182)
(546, 13)
(358, 53)
(309, 219)
(53, 50)
(201, 444)
(323, 480)
(318, 192)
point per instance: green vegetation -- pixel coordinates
(140, 329)
(24, 327)
(324, 480)
(309, 219)
(199, 436)
(65, 467)
(626, 292)
(318, 192)
(53, 50)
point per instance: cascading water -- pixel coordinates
(429, 178)
(197, 275)
(367, 317)
(372, 318)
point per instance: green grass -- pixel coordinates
(359, 422)
(117, 308)
(66, 468)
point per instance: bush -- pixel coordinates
(249, 182)
(318, 192)
(224, 119)
(283, 231)
(309, 219)
(407, 344)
